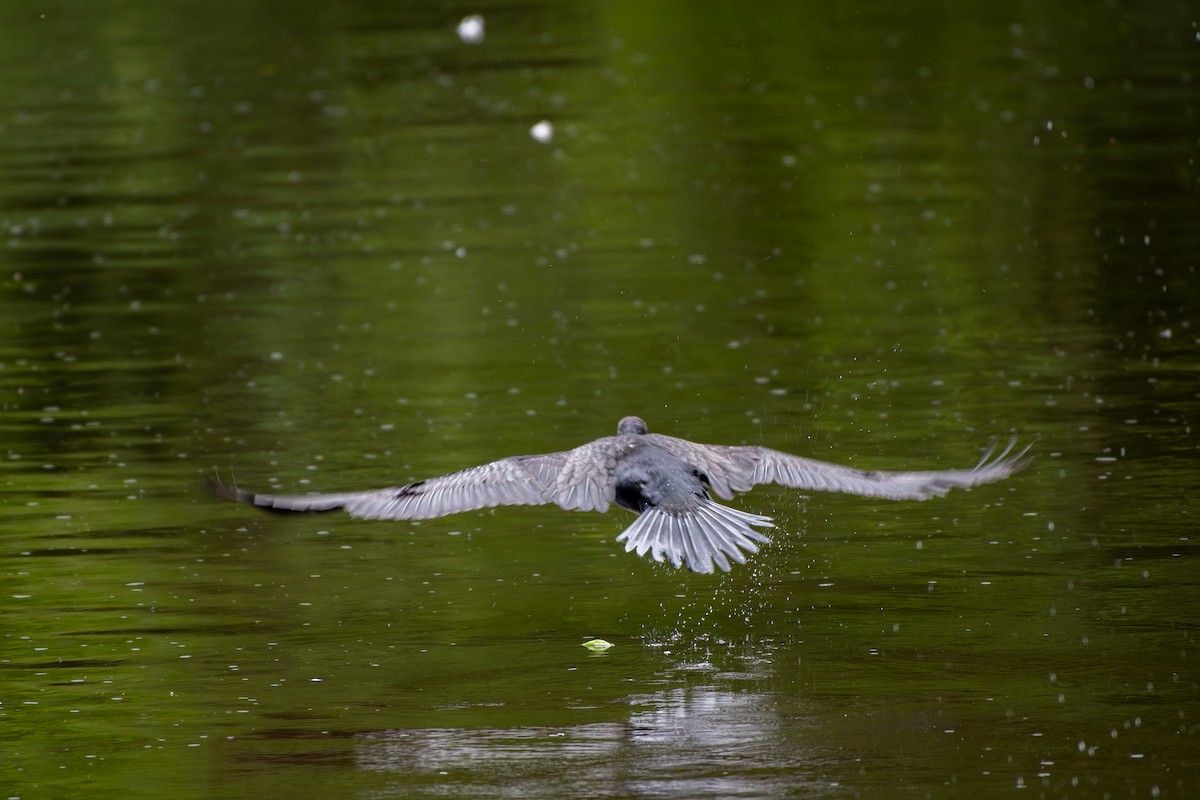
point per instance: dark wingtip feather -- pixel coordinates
(234, 492)
(221, 489)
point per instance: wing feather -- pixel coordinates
(579, 479)
(731, 469)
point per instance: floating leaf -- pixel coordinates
(597, 645)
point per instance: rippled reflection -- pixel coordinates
(690, 742)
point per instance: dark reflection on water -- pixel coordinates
(317, 247)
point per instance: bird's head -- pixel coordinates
(631, 425)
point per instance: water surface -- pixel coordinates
(316, 247)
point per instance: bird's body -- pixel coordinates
(664, 480)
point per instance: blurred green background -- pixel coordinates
(315, 245)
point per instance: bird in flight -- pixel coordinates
(667, 482)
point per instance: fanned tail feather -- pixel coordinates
(707, 534)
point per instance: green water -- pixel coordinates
(315, 246)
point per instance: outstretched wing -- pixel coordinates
(579, 479)
(737, 469)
